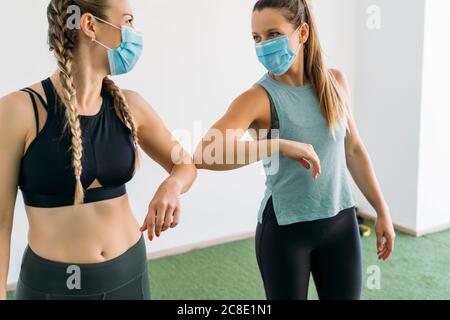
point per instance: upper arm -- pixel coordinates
(246, 111)
(352, 138)
(15, 117)
(154, 137)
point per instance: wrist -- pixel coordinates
(383, 211)
(174, 183)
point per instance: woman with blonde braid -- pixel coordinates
(71, 143)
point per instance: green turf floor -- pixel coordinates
(418, 269)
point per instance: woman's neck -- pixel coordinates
(88, 85)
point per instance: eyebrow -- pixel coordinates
(128, 14)
(268, 31)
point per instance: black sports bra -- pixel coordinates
(46, 174)
(274, 119)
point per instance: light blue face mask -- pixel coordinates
(276, 54)
(124, 58)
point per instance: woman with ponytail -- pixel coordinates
(300, 116)
(71, 143)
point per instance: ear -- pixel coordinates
(304, 32)
(88, 25)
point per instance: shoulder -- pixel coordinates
(252, 100)
(16, 102)
(17, 122)
(132, 95)
(249, 107)
(15, 111)
(141, 109)
(338, 74)
(341, 79)
(255, 93)
(136, 102)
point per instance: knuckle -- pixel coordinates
(162, 204)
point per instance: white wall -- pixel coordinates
(402, 108)
(336, 21)
(434, 169)
(387, 100)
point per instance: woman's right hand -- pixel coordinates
(301, 152)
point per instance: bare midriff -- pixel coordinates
(88, 233)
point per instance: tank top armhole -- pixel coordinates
(274, 120)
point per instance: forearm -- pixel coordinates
(361, 169)
(183, 173)
(239, 154)
(5, 245)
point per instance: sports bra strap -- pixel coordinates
(39, 96)
(36, 113)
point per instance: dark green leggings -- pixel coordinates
(122, 278)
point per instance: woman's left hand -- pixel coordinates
(385, 233)
(164, 209)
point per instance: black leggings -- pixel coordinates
(328, 248)
(122, 278)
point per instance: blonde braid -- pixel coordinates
(62, 42)
(121, 106)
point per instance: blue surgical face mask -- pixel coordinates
(124, 58)
(276, 54)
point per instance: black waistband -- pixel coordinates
(51, 277)
(53, 201)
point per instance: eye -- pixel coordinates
(257, 39)
(274, 34)
(130, 21)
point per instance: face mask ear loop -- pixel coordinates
(109, 23)
(300, 45)
(95, 40)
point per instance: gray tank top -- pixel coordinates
(295, 113)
